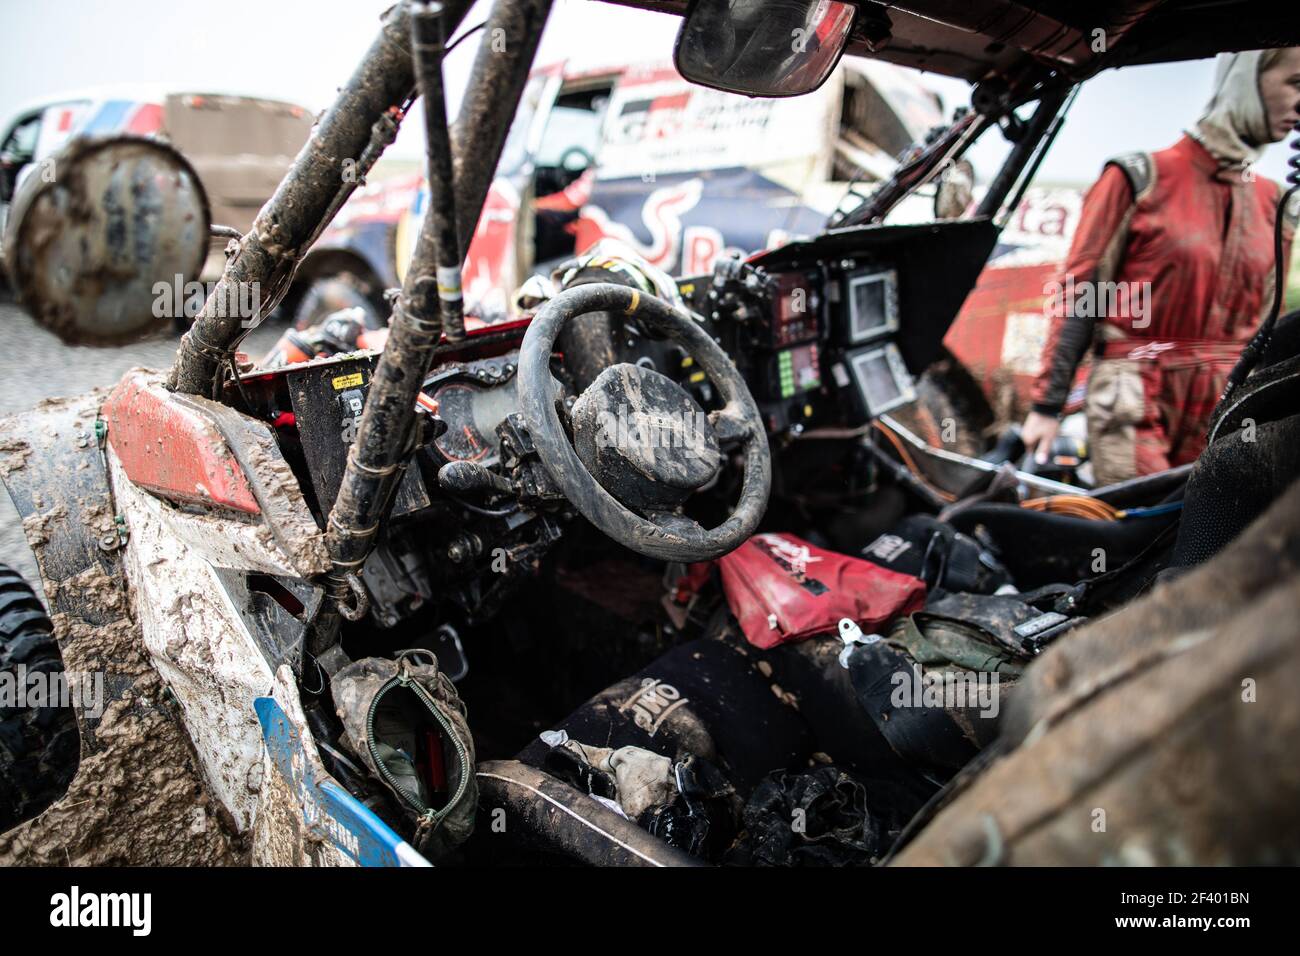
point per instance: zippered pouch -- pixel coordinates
(406, 722)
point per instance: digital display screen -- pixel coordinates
(795, 310)
(798, 371)
(873, 305)
(882, 379)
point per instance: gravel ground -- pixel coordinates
(35, 365)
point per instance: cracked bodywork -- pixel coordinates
(138, 796)
(157, 597)
(171, 451)
(196, 638)
(253, 447)
(192, 450)
(180, 563)
(304, 200)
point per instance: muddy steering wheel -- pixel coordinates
(641, 445)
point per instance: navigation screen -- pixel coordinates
(882, 379)
(873, 305)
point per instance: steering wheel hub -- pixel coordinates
(644, 438)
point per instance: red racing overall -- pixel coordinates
(1179, 254)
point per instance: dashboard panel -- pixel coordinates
(472, 398)
(796, 302)
(816, 342)
(869, 298)
(936, 263)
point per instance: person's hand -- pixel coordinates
(1038, 433)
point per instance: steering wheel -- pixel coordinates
(639, 435)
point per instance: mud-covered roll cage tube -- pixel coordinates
(430, 300)
(405, 58)
(284, 227)
(310, 193)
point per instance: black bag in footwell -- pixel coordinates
(936, 685)
(829, 816)
(720, 716)
(704, 699)
(944, 558)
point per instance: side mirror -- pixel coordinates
(93, 231)
(761, 48)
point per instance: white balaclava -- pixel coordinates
(1234, 127)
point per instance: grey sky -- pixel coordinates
(300, 50)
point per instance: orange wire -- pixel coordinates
(1078, 506)
(911, 465)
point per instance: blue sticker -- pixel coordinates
(328, 810)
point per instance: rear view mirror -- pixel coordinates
(763, 47)
(954, 190)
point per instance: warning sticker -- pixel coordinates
(341, 382)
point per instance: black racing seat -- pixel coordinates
(1040, 547)
(747, 712)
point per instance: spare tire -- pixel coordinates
(39, 745)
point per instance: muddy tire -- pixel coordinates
(328, 295)
(39, 746)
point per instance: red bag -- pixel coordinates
(781, 589)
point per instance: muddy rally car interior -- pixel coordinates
(637, 575)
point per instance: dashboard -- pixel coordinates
(828, 331)
(817, 344)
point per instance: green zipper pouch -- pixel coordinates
(406, 722)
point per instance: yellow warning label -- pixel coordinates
(341, 382)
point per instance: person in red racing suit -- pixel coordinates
(1169, 273)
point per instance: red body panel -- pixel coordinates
(171, 450)
(999, 334)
